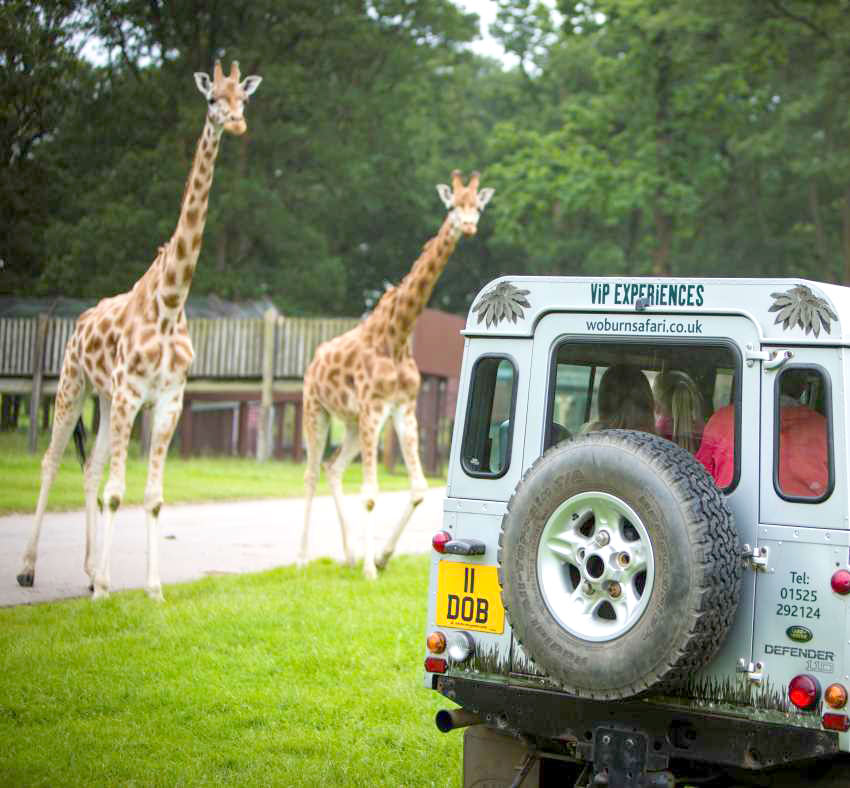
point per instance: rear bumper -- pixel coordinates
(558, 721)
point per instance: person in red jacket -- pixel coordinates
(803, 442)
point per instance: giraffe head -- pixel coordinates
(227, 97)
(465, 203)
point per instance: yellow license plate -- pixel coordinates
(469, 597)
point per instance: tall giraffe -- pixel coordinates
(367, 374)
(134, 350)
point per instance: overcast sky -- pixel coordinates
(486, 10)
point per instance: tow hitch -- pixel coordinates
(620, 759)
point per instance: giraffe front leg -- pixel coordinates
(334, 471)
(407, 429)
(121, 417)
(371, 421)
(165, 417)
(93, 472)
(69, 404)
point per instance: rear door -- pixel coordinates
(680, 332)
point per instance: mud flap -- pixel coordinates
(494, 760)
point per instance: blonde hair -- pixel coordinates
(679, 395)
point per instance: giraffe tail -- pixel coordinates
(80, 441)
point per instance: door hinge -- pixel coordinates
(755, 557)
(752, 671)
(770, 359)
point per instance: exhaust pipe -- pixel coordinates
(449, 719)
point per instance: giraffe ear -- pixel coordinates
(203, 82)
(484, 197)
(446, 195)
(250, 84)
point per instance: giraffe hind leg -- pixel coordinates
(316, 425)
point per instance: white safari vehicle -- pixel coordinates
(642, 573)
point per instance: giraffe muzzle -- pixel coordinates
(469, 228)
(236, 127)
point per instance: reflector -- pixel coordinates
(435, 665)
(439, 541)
(836, 722)
(841, 582)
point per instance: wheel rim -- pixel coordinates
(595, 566)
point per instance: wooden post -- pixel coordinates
(37, 379)
(264, 423)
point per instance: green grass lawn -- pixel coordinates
(281, 678)
(197, 479)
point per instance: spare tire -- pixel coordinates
(619, 564)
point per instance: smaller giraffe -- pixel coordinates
(134, 351)
(368, 374)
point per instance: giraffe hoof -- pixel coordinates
(100, 592)
(383, 560)
(156, 594)
(26, 579)
(370, 572)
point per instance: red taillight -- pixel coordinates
(439, 541)
(435, 665)
(836, 722)
(840, 582)
(804, 691)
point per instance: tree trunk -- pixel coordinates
(817, 220)
(845, 234)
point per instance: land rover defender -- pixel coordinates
(643, 571)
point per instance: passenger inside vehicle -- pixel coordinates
(678, 409)
(625, 401)
(802, 436)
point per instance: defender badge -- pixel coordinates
(799, 634)
(503, 301)
(800, 306)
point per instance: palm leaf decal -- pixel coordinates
(504, 301)
(799, 306)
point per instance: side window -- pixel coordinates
(802, 467)
(486, 448)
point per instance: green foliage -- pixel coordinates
(290, 677)
(635, 136)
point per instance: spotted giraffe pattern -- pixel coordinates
(368, 374)
(133, 350)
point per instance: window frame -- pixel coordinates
(478, 474)
(720, 342)
(830, 440)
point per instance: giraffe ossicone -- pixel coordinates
(133, 350)
(368, 374)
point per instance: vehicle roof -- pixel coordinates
(785, 311)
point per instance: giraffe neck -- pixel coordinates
(180, 255)
(412, 294)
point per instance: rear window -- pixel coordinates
(487, 438)
(802, 462)
(684, 392)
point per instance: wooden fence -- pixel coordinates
(224, 349)
(236, 364)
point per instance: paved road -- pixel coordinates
(199, 540)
